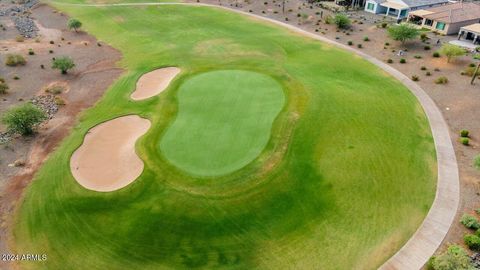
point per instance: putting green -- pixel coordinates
(224, 121)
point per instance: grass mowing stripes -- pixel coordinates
(346, 177)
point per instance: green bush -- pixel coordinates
(441, 80)
(74, 24)
(470, 222)
(63, 64)
(455, 258)
(465, 141)
(342, 21)
(464, 133)
(350, 43)
(366, 39)
(3, 88)
(436, 54)
(15, 60)
(426, 48)
(472, 241)
(23, 119)
(403, 61)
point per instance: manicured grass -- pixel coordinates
(347, 175)
(224, 121)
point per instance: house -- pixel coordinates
(447, 19)
(470, 32)
(399, 9)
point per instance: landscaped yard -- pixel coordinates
(269, 151)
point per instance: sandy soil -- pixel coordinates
(95, 70)
(106, 161)
(154, 82)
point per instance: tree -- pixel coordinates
(476, 162)
(451, 51)
(23, 119)
(455, 258)
(63, 63)
(342, 21)
(403, 32)
(74, 24)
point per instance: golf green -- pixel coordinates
(224, 121)
(269, 150)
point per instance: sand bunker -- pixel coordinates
(154, 82)
(106, 161)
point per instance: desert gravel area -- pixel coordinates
(95, 70)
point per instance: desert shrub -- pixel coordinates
(329, 19)
(3, 88)
(403, 61)
(350, 43)
(31, 52)
(366, 39)
(15, 60)
(423, 68)
(476, 162)
(16, 77)
(470, 222)
(384, 25)
(55, 89)
(415, 78)
(472, 241)
(342, 21)
(469, 71)
(436, 54)
(423, 37)
(472, 65)
(59, 101)
(19, 38)
(428, 73)
(23, 119)
(359, 46)
(465, 141)
(74, 24)
(417, 57)
(441, 80)
(389, 61)
(426, 48)
(455, 258)
(436, 69)
(464, 133)
(63, 63)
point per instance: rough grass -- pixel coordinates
(224, 121)
(354, 178)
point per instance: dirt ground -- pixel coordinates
(95, 70)
(458, 100)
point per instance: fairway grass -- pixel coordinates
(224, 121)
(346, 176)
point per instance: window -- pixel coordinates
(428, 22)
(370, 6)
(440, 26)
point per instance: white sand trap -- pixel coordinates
(154, 82)
(106, 161)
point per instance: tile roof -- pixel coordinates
(453, 13)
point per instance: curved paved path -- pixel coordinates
(428, 237)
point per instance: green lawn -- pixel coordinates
(346, 177)
(224, 121)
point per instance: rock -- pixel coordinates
(46, 103)
(19, 163)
